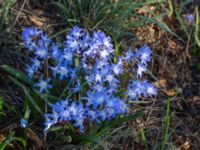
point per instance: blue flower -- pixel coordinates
(80, 116)
(63, 111)
(129, 56)
(27, 37)
(50, 119)
(84, 42)
(77, 87)
(100, 64)
(116, 106)
(74, 109)
(36, 63)
(140, 87)
(102, 40)
(56, 52)
(68, 57)
(43, 85)
(103, 115)
(93, 115)
(55, 70)
(122, 107)
(118, 68)
(63, 71)
(41, 52)
(74, 37)
(99, 45)
(98, 76)
(140, 69)
(112, 102)
(23, 122)
(91, 52)
(151, 90)
(132, 94)
(96, 98)
(79, 123)
(76, 32)
(30, 71)
(137, 88)
(98, 87)
(73, 44)
(145, 54)
(190, 18)
(45, 40)
(111, 79)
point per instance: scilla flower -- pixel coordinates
(23, 122)
(43, 85)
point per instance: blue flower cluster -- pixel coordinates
(190, 18)
(87, 61)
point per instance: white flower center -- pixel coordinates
(98, 77)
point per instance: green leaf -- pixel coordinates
(67, 126)
(167, 122)
(1, 105)
(121, 121)
(197, 26)
(143, 137)
(160, 24)
(91, 139)
(103, 128)
(10, 138)
(17, 74)
(151, 20)
(27, 93)
(27, 113)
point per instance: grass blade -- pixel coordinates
(197, 26)
(167, 122)
(1, 106)
(10, 138)
(143, 137)
(27, 93)
(105, 126)
(18, 74)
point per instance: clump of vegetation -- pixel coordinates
(86, 64)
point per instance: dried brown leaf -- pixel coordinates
(2, 137)
(172, 44)
(185, 146)
(10, 127)
(34, 137)
(161, 83)
(170, 92)
(196, 98)
(36, 21)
